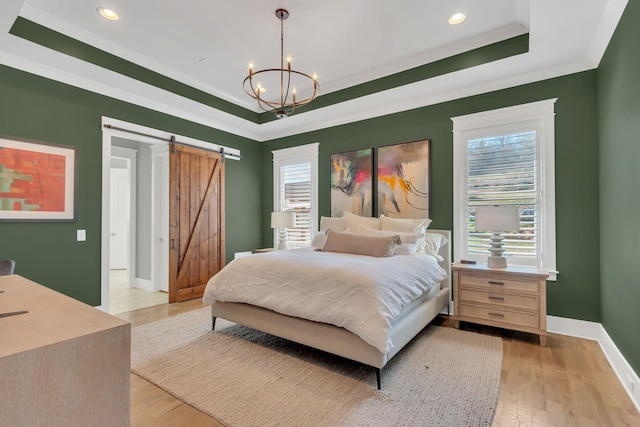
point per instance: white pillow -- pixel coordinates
(405, 225)
(433, 243)
(406, 249)
(331, 223)
(354, 220)
(409, 238)
(319, 240)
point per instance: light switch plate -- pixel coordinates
(81, 235)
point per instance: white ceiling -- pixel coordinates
(345, 42)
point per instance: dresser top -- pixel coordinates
(52, 317)
(530, 271)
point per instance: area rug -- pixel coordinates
(241, 377)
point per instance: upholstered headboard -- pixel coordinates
(446, 254)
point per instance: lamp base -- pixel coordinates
(497, 262)
(283, 246)
(496, 249)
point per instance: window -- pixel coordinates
(506, 157)
(295, 188)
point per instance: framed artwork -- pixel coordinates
(38, 181)
(351, 183)
(404, 180)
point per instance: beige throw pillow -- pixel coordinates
(376, 246)
(410, 243)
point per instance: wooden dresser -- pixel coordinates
(512, 298)
(63, 363)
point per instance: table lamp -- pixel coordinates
(497, 219)
(282, 221)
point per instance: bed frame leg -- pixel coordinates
(213, 323)
(378, 377)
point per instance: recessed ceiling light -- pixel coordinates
(108, 13)
(457, 18)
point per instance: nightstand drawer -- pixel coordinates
(496, 315)
(498, 283)
(525, 302)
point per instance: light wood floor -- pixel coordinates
(122, 299)
(568, 383)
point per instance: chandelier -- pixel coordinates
(284, 103)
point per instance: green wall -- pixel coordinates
(37, 108)
(576, 294)
(597, 178)
(619, 134)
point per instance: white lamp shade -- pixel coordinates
(286, 219)
(497, 218)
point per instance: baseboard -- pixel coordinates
(627, 376)
(144, 284)
(574, 328)
(596, 332)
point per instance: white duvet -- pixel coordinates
(359, 293)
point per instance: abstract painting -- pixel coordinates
(37, 181)
(404, 180)
(351, 183)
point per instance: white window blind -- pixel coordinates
(295, 188)
(501, 170)
(506, 157)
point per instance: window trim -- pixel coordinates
(466, 127)
(300, 154)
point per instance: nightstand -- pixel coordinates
(259, 251)
(511, 298)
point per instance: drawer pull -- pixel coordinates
(496, 299)
(496, 315)
(496, 283)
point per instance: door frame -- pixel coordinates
(110, 128)
(107, 135)
(160, 208)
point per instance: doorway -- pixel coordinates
(157, 142)
(133, 211)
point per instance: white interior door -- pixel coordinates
(160, 219)
(119, 218)
(164, 225)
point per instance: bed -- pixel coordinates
(338, 337)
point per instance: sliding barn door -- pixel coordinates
(196, 220)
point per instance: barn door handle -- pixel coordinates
(173, 243)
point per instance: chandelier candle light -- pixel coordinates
(285, 105)
(497, 219)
